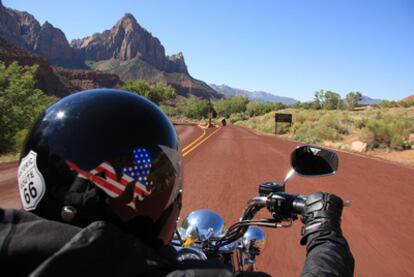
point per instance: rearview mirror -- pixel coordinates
(309, 160)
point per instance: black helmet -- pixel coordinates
(104, 154)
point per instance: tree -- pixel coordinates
(319, 99)
(156, 93)
(327, 100)
(332, 100)
(254, 108)
(352, 99)
(227, 106)
(20, 102)
(197, 108)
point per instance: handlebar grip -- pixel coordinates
(298, 204)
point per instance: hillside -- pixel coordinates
(126, 49)
(369, 101)
(136, 69)
(261, 96)
(56, 81)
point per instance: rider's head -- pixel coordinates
(108, 155)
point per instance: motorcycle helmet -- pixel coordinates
(104, 154)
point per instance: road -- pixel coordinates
(222, 172)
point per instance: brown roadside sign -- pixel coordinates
(283, 117)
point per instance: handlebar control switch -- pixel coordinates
(269, 187)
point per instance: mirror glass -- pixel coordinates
(310, 160)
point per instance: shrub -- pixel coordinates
(387, 131)
(235, 117)
(196, 108)
(156, 93)
(397, 142)
(20, 102)
(307, 139)
(169, 110)
(227, 106)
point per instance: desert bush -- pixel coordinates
(397, 142)
(306, 138)
(170, 110)
(387, 131)
(406, 103)
(388, 104)
(235, 117)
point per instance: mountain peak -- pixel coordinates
(128, 16)
(127, 20)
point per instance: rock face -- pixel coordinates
(52, 44)
(77, 79)
(128, 40)
(54, 80)
(135, 51)
(22, 29)
(47, 80)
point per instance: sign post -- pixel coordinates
(282, 117)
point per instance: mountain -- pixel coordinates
(132, 53)
(47, 80)
(54, 80)
(126, 49)
(23, 30)
(369, 101)
(261, 96)
(128, 40)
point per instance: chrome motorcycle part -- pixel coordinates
(203, 224)
(254, 239)
(190, 253)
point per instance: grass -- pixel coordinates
(379, 128)
(9, 158)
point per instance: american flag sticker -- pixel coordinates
(137, 174)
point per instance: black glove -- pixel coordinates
(322, 212)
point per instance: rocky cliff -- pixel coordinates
(128, 40)
(47, 80)
(138, 54)
(22, 29)
(55, 80)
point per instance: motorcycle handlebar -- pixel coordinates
(285, 205)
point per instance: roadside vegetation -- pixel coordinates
(378, 128)
(20, 104)
(327, 119)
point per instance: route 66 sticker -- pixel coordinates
(31, 183)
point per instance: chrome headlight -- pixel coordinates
(254, 238)
(202, 225)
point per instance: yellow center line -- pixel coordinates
(195, 141)
(199, 143)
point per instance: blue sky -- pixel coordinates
(289, 48)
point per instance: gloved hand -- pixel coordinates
(322, 212)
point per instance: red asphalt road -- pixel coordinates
(225, 171)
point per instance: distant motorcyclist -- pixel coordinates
(100, 180)
(223, 122)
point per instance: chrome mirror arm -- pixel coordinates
(288, 176)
